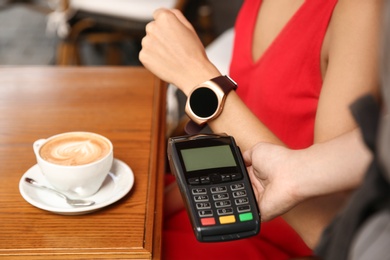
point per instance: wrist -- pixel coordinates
(189, 82)
(303, 186)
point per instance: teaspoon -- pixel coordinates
(72, 202)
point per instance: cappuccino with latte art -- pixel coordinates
(75, 163)
(75, 149)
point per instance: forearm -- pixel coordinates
(237, 120)
(333, 166)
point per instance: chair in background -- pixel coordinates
(101, 22)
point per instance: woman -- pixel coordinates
(298, 65)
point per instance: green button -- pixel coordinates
(246, 216)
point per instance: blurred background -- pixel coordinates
(95, 32)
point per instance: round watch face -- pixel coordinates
(203, 102)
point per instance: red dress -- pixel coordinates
(282, 88)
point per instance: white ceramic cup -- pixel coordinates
(75, 163)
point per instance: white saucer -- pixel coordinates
(117, 184)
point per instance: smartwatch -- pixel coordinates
(206, 100)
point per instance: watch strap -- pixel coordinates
(193, 128)
(225, 85)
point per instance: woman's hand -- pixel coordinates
(172, 50)
(282, 178)
(271, 171)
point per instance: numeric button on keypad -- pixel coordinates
(238, 186)
(241, 201)
(199, 191)
(222, 196)
(201, 198)
(241, 193)
(225, 211)
(203, 205)
(223, 203)
(218, 189)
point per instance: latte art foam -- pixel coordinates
(74, 150)
(76, 153)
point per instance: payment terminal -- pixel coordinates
(215, 186)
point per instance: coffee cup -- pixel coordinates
(75, 163)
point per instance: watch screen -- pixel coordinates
(208, 157)
(203, 102)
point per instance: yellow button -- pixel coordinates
(227, 219)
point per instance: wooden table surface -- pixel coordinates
(125, 104)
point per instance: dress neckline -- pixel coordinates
(283, 31)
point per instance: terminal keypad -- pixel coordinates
(224, 203)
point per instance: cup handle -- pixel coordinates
(37, 144)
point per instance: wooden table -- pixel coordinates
(127, 105)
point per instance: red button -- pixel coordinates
(207, 221)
